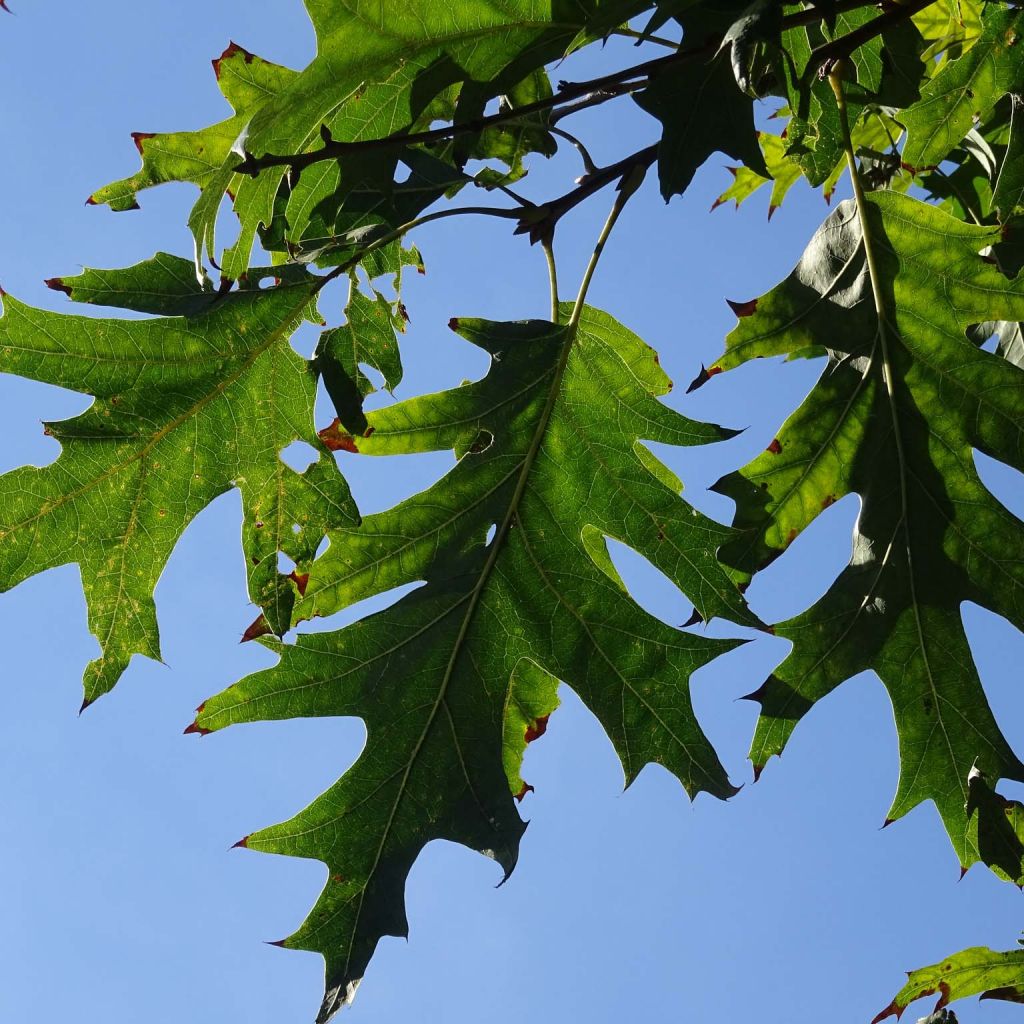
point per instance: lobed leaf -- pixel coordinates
(186, 407)
(456, 677)
(904, 400)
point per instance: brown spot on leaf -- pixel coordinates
(57, 284)
(336, 439)
(828, 501)
(742, 309)
(539, 727)
(775, 447)
(301, 580)
(453, 324)
(791, 536)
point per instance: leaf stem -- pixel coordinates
(547, 244)
(629, 183)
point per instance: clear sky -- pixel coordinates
(120, 902)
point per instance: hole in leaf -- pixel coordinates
(491, 531)
(284, 564)
(299, 456)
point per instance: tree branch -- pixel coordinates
(595, 90)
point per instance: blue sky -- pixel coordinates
(121, 901)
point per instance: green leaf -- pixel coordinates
(448, 679)
(965, 90)
(369, 336)
(372, 77)
(701, 108)
(976, 971)
(903, 401)
(186, 407)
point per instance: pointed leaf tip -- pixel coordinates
(139, 137)
(259, 627)
(453, 324)
(242, 844)
(87, 703)
(195, 729)
(527, 788)
(742, 309)
(280, 943)
(57, 284)
(758, 768)
(229, 52)
(695, 619)
(892, 1010)
(703, 377)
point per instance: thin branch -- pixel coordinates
(629, 183)
(589, 166)
(643, 37)
(823, 57)
(540, 222)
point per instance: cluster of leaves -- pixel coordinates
(329, 169)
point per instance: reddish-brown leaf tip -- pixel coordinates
(259, 627)
(742, 309)
(892, 1010)
(336, 439)
(775, 447)
(195, 729)
(887, 822)
(139, 137)
(527, 788)
(758, 768)
(91, 202)
(453, 324)
(539, 727)
(281, 943)
(229, 52)
(88, 702)
(716, 204)
(828, 501)
(57, 284)
(3, 4)
(242, 844)
(771, 211)
(199, 710)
